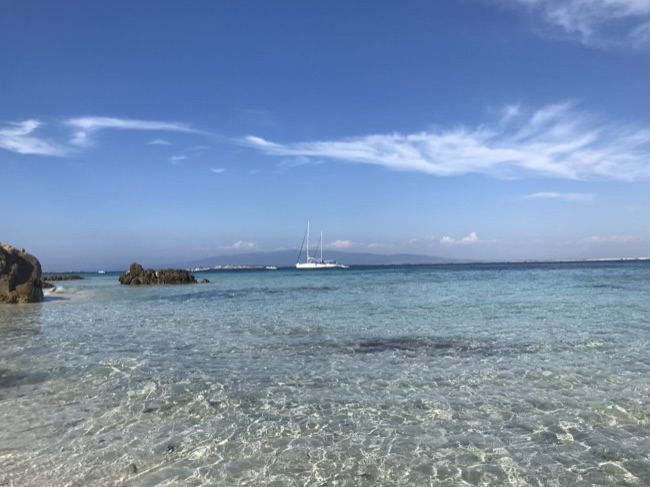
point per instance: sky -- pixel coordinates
(160, 131)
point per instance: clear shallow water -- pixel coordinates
(443, 375)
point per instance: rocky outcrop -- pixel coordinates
(20, 276)
(136, 275)
(63, 277)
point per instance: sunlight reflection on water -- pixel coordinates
(409, 376)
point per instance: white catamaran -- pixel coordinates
(312, 262)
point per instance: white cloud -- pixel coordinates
(594, 23)
(19, 137)
(86, 126)
(297, 161)
(159, 142)
(177, 159)
(509, 112)
(561, 196)
(342, 244)
(553, 141)
(471, 239)
(258, 141)
(217, 170)
(243, 245)
(92, 124)
(447, 241)
(595, 239)
(424, 241)
(81, 139)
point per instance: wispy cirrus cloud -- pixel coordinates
(92, 124)
(553, 141)
(594, 23)
(159, 142)
(85, 127)
(21, 137)
(177, 158)
(64, 137)
(561, 196)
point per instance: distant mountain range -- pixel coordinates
(287, 258)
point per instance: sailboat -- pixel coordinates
(316, 263)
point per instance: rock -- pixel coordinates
(20, 276)
(64, 277)
(136, 275)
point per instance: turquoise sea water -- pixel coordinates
(527, 374)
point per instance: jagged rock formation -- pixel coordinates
(136, 275)
(63, 277)
(20, 276)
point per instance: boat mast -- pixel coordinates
(321, 246)
(307, 241)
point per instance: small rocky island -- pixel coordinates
(136, 276)
(63, 277)
(20, 276)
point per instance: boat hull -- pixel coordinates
(316, 265)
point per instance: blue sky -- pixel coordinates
(159, 131)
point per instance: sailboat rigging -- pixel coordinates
(312, 262)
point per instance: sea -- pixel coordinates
(527, 374)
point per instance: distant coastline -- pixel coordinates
(250, 262)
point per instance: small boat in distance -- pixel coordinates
(199, 269)
(316, 263)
